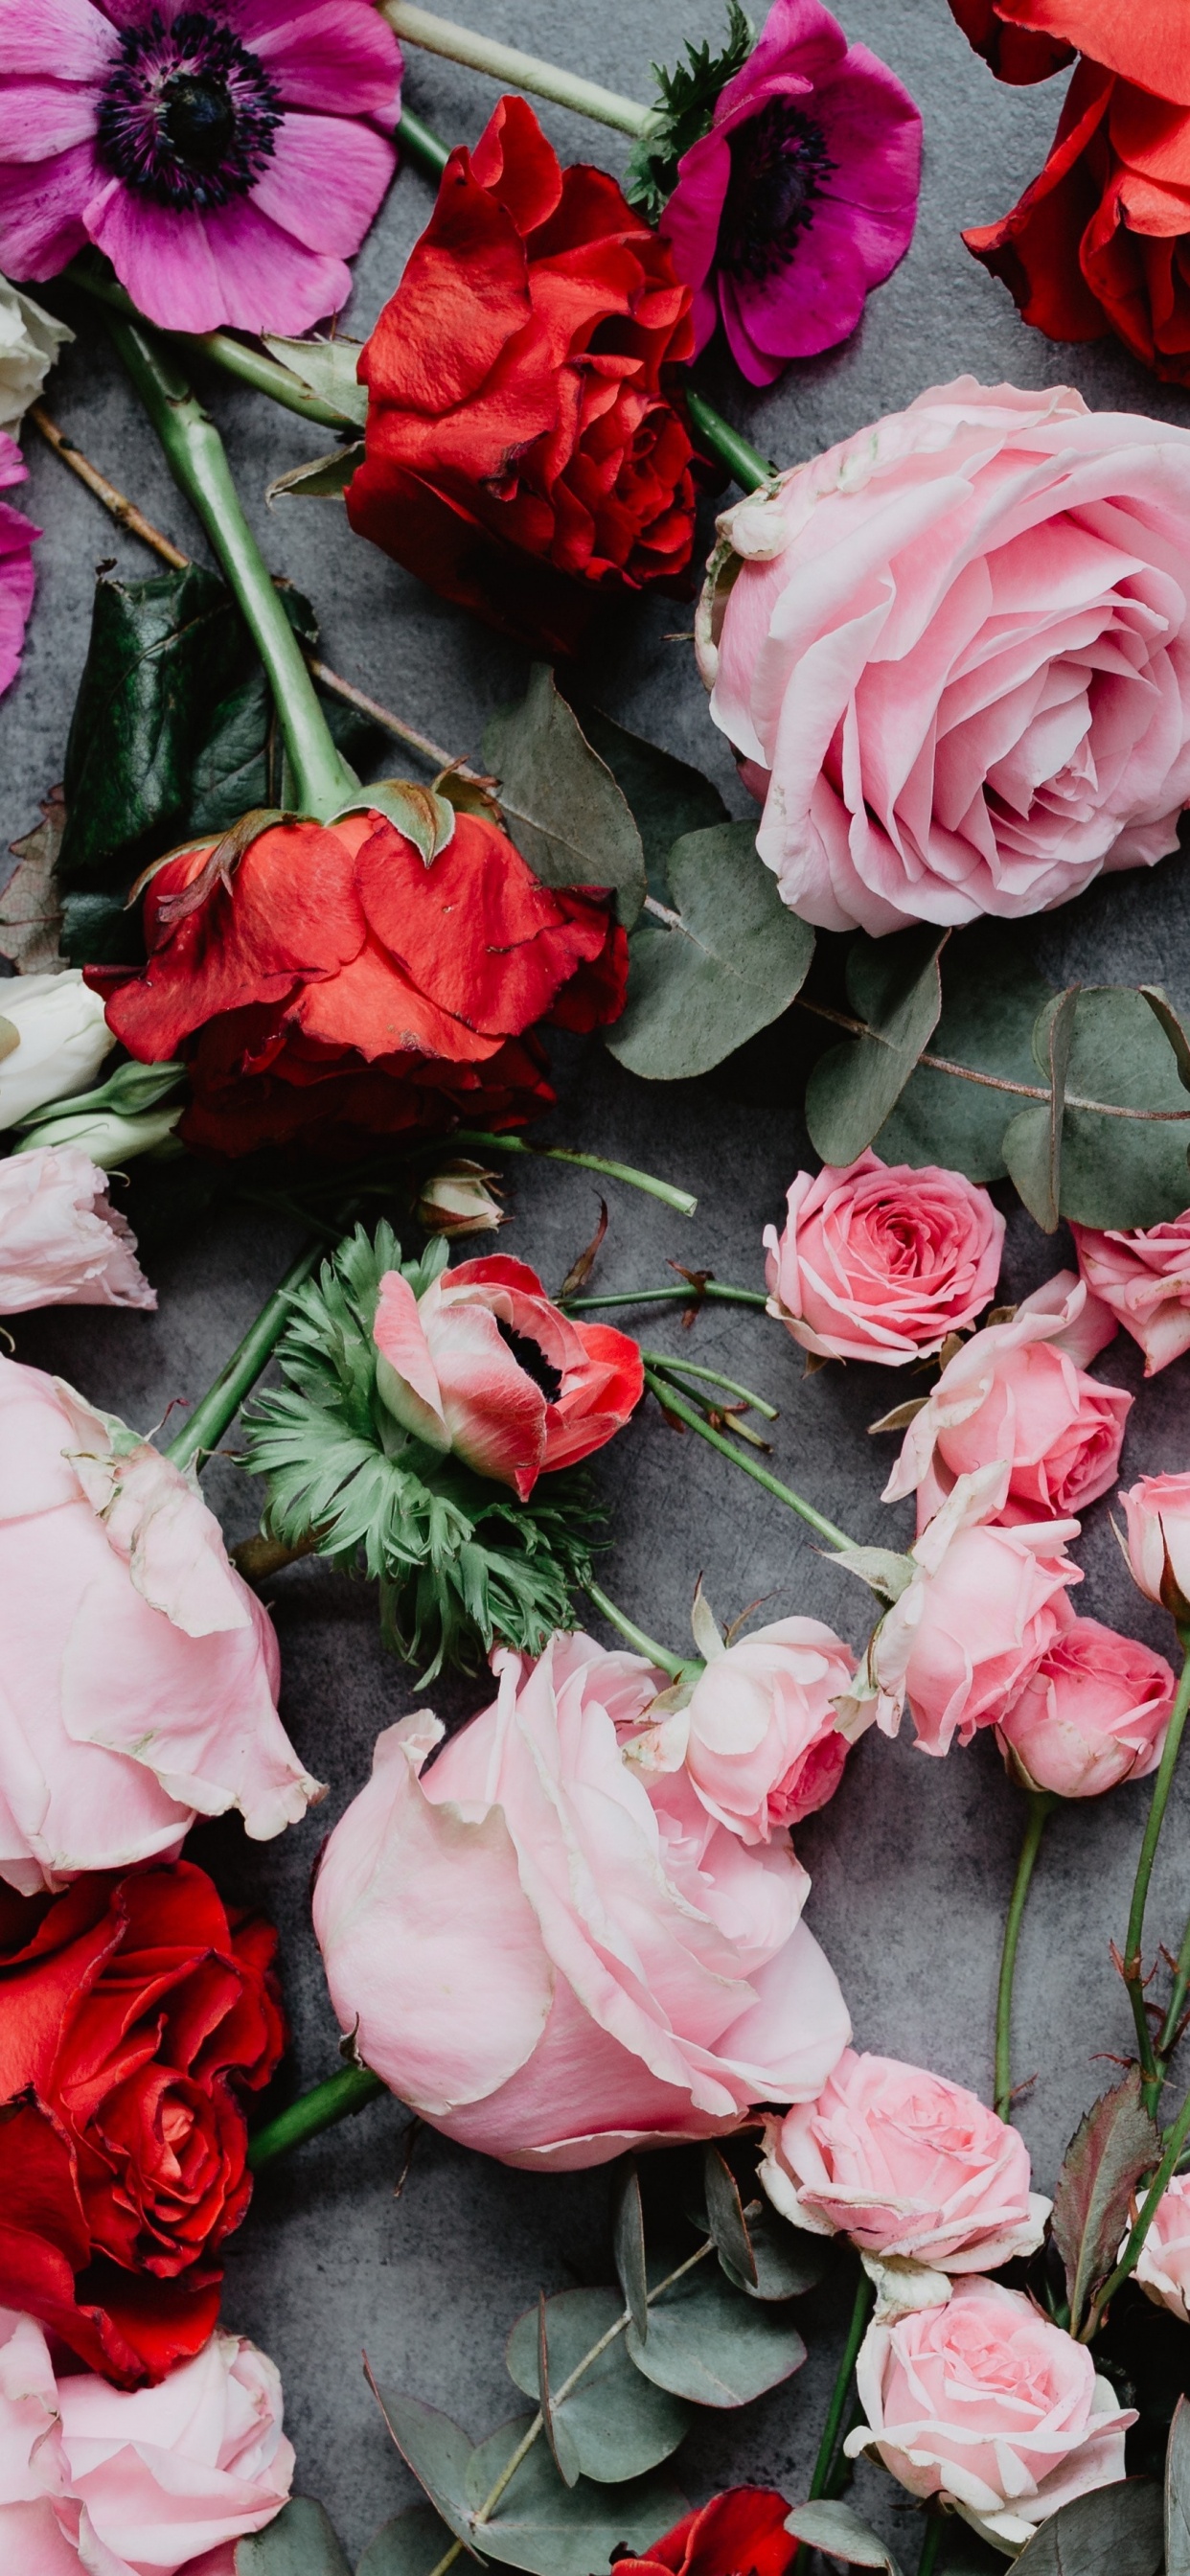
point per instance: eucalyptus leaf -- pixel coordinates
(667, 797)
(788, 2260)
(709, 2343)
(628, 2237)
(1034, 1139)
(725, 2215)
(566, 814)
(439, 2455)
(301, 2542)
(728, 963)
(1123, 1171)
(894, 986)
(410, 2545)
(1177, 2493)
(991, 996)
(1113, 2146)
(617, 2428)
(1113, 2531)
(553, 2530)
(839, 2533)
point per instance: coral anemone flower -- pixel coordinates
(227, 158)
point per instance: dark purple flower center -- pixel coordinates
(779, 166)
(188, 114)
(530, 1356)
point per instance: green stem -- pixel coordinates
(514, 69)
(222, 1401)
(337, 2099)
(422, 146)
(745, 462)
(322, 779)
(637, 1638)
(235, 357)
(690, 1294)
(672, 1367)
(674, 1403)
(1177, 2000)
(1175, 2141)
(865, 2296)
(1040, 1803)
(930, 2546)
(1133, 1968)
(653, 1189)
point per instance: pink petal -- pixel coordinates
(415, 1398)
(338, 56)
(42, 208)
(325, 181)
(56, 36)
(495, 1412)
(267, 281)
(161, 255)
(39, 118)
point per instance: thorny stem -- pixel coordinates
(1040, 1804)
(665, 1190)
(638, 1638)
(1132, 1966)
(665, 1361)
(222, 1401)
(674, 1403)
(1177, 2000)
(860, 2313)
(689, 1294)
(516, 70)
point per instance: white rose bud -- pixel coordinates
(53, 1038)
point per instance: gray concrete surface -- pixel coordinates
(913, 1861)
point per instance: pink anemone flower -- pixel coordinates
(801, 197)
(227, 158)
(16, 566)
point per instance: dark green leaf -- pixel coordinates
(1177, 2493)
(728, 964)
(789, 2261)
(895, 986)
(628, 2227)
(839, 2533)
(100, 930)
(564, 809)
(553, 2530)
(301, 2542)
(991, 997)
(1114, 2531)
(725, 2216)
(438, 2453)
(682, 113)
(1123, 1171)
(1167, 1020)
(709, 2343)
(410, 2545)
(616, 2428)
(1033, 1140)
(1112, 2147)
(666, 796)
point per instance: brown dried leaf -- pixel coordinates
(30, 913)
(581, 1268)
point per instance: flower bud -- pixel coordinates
(53, 1038)
(110, 1140)
(457, 1201)
(1158, 1542)
(29, 344)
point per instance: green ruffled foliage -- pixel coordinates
(462, 1565)
(684, 107)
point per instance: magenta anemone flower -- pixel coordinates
(16, 566)
(227, 158)
(802, 195)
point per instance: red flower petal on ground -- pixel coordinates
(739, 2533)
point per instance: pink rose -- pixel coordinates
(1144, 1277)
(553, 1953)
(910, 2167)
(449, 1371)
(952, 654)
(1163, 2268)
(141, 2482)
(1018, 1391)
(763, 1746)
(980, 1609)
(139, 1677)
(1158, 1550)
(881, 1262)
(61, 1241)
(986, 2405)
(1095, 1712)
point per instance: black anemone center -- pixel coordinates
(779, 166)
(188, 116)
(531, 1358)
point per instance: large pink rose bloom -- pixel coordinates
(228, 158)
(1144, 1277)
(1163, 2269)
(17, 536)
(141, 2482)
(986, 2405)
(801, 197)
(553, 1953)
(954, 655)
(139, 1678)
(1095, 1712)
(912, 2168)
(763, 1746)
(1020, 1391)
(62, 1243)
(1157, 1511)
(880, 1262)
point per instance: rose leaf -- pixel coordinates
(1114, 2144)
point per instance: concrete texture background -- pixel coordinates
(913, 1861)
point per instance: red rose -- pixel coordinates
(1144, 40)
(134, 2013)
(334, 988)
(1016, 55)
(522, 454)
(739, 2533)
(1101, 241)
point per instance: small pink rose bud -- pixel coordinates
(1158, 1545)
(457, 1201)
(1095, 1712)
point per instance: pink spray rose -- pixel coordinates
(980, 1609)
(801, 197)
(1163, 2268)
(450, 1373)
(986, 2405)
(1144, 1277)
(763, 1746)
(554, 1954)
(1019, 1391)
(142, 2482)
(228, 158)
(17, 535)
(61, 1241)
(913, 2169)
(1095, 1712)
(139, 1678)
(881, 1262)
(954, 655)
(1158, 1549)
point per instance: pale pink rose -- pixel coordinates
(142, 2482)
(982, 1606)
(553, 1953)
(1158, 1550)
(910, 2167)
(986, 2405)
(954, 657)
(881, 1262)
(1163, 2267)
(1144, 1277)
(139, 1676)
(61, 1241)
(763, 1746)
(1095, 1712)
